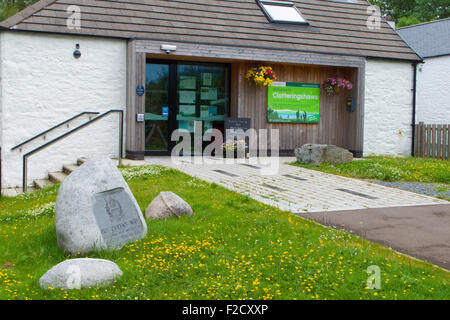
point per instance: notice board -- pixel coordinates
(293, 102)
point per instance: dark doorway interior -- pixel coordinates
(179, 93)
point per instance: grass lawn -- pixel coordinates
(231, 248)
(391, 169)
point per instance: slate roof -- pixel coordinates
(335, 27)
(429, 39)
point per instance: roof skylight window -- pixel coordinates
(281, 11)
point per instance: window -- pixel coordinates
(280, 11)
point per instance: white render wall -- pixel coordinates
(433, 91)
(1, 105)
(42, 84)
(388, 108)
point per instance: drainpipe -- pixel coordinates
(413, 125)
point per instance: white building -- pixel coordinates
(168, 63)
(431, 41)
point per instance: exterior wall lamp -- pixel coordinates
(77, 52)
(168, 48)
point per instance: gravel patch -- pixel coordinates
(430, 189)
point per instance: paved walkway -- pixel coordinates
(297, 189)
(411, 223)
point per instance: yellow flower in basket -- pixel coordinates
(262, 76)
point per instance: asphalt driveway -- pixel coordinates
(419, 231)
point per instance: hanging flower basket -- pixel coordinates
(262, 76)
(336, 85)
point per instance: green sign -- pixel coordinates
(293, 102)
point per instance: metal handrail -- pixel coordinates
(54, 127)
(65, 135)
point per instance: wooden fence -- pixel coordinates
(432, 141)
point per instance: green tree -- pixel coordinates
(407, 21)
(396, 8)
(428, 10)
(409, 12)
(11, 7)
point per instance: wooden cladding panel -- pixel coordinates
(337, 126)
(135, 141)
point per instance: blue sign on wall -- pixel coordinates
(140, 90)
(165, 111)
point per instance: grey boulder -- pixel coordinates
(81, 273)
(317, 154)
(166, 205)
(95, 209)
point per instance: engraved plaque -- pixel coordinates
(117, 217)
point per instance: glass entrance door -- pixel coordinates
(180, 93)
(157, 108)
(203, 95)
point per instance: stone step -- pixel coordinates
(69, 168)
(80, 161)
(42, 183)
(57, 177)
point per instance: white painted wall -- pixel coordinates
(433, 91)
(42, 84)
(388, 108)
(1, 105)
